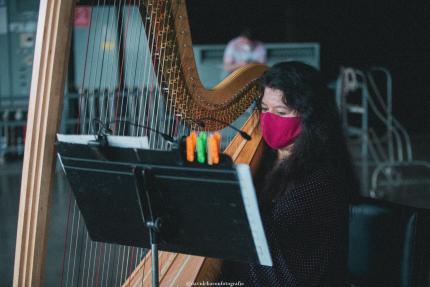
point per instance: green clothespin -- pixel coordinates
(201, 147)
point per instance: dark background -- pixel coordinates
(393, 34)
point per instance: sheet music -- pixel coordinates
(253, 214)
(114, 141)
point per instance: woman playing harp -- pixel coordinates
(305, 183)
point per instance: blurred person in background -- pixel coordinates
(243, 50)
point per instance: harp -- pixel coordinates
(174, 82)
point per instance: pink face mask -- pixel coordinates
(279, 132)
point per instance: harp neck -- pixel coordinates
(46, 97)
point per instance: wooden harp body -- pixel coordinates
(169, 41)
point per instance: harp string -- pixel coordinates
(160, 69)
(173, 76)
(169, 88)
(108, 264)
(134, 85)
(101, 97)
(70, 244)
(160, 65)
(126, 261)
(158, 60)
(63, 261)
(150, 79)
(156, 64)
(140, 78)
(94, 266)
(138, 72)
(126, 13)
(90, 108)
(146, 74)
(169, 116)
(159, 75)
(137, 251)
(94, 91)
(81, 91)
(154, 82)
(132, 103)
(121, 53)
(122, 264)
(90, 260)
(89, 89)
(150, 92)
(102, 265)
(75, 248)
(124, 66)
(110, 101)
(172, 89)
(126, 10)
(117, 266)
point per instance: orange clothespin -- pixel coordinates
(217, 137)
(210, 149)
(190, 142)
(193, 136)
(214, 148)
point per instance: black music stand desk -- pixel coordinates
(155, 199)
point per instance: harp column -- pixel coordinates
(51, 59)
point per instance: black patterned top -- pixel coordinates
(306, 228)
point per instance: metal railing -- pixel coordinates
(382, 158)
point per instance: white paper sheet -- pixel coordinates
(114, 141)
(253, 213)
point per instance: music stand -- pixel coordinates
(155, 199)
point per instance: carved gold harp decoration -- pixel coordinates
(169, 97)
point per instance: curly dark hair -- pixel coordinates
(321, 142)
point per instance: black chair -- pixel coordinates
(389, 245)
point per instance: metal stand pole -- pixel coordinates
(154, 249)
(154, 228)
(144, 183)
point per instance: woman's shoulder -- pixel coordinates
(317, 186)
(319, 177)
(313, 196)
